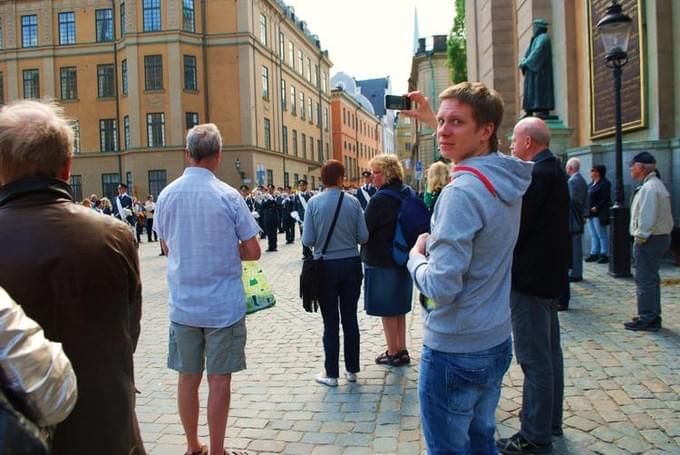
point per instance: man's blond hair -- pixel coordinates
(35, 140)
(389, 166)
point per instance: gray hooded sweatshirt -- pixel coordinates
(467, 270)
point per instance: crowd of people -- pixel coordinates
(493, 270)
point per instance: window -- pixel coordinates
(315, 76)
(284, 139)
(126, 132)
(2, 89)
(123, 24)
(309, 109)
(108, 135)
(110, 185)
(67, 28)
(302, 105)
(31, 84)
(318, 114)
(303, 145)
(284, 104)
(292, 100)
(69, 90)
(124, 75)
(128, 180)
(104, 22)
(29, 31)
(153, 72)
(263, 29)
(295, 146)
(188, 16)
(105, 81)
(291, 53)
(282, 46)
(76, 183)
(158, 179)
(300, 61)
(286, 179)
(151, 13)
(190, 74)
(323, 81)
(191, 119)
(270, 177)
(75, 125)
(2, 41)
(267, 134)
(296, 178)
(309, 70)
(155, 129)
(325, 118)
(265, 82)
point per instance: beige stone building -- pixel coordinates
(135, 75)
(430, 74)
(499, 32)
(404, 134)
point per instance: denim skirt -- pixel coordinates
(387, 291)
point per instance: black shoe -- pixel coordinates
(592, 258)
(404, 357)
(604, 259)
(575, 279)
(519, 445)
(289, 242)
(561, 307)
(637, 325)
(271, 250)
(384, 359)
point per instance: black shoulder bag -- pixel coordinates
(311, 276)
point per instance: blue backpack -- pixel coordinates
(413, 219)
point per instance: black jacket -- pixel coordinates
(381, 217)
(599, 196)
(543, 251)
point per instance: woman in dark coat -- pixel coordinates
(388, 288)
(599, 200)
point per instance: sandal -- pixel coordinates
(202, 451)
(405, 358)
(384, 359)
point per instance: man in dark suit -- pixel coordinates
(287, 206)
(122, 205)
(301, 199)
(270, 212)
(539, 277)
(367, 190)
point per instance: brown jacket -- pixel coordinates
(76, 273)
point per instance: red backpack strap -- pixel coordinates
(477, 173)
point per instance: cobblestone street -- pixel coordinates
(622, 388)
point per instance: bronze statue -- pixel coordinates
(536, 66)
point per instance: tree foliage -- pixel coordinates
(457, 45)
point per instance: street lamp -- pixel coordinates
(237, 165)
(614, 29)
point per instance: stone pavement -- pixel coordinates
(622, 389)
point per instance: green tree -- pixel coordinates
(457, 45)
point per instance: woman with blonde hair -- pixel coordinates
(388, 289)
(437, 179)
(107, 208)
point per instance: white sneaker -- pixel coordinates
(351, 377)
(321, 378)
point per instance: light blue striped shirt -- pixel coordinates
(202, 219)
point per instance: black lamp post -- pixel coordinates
(614, 29)
(237, 165)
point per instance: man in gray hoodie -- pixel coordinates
(464, 266)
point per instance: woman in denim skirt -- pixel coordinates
(388, 288)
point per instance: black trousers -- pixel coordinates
(289, 229)
(270, 230)
(149, 230)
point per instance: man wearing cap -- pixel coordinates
(651, 222)
(301, 206)
(367, 190)
(536, 67)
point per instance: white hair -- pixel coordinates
(203, 141)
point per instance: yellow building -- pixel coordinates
(136, 75)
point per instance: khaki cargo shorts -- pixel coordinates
(222, 350)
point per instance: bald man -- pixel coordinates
(539, 277)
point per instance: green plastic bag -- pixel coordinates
(258, 293)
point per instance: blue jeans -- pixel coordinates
(599, 237)
(340, 290)
(458, 398)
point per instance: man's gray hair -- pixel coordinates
(204, 141)
(35, 140)
(574, 163)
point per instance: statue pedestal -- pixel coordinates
(560, 135)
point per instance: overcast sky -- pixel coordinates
(374, 38)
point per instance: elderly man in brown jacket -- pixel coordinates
(51, 249)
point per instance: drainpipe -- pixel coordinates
(115, 76)
(432, 97)
(204, 40)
